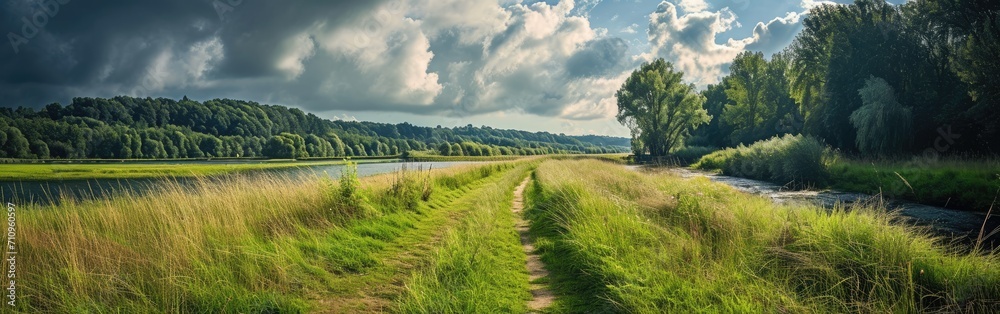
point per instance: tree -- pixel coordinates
(884, 126)
(444, 149)
(39, 149)
(749, 107)
(658, 108)
(279, 147)
(715, 133)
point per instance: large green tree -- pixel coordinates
(750, 107)
(658, 108)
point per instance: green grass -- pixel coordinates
(243, 244)
(792, 160)
(134, 170)
(966, 185)
(480, 267)
(620, 241)
(799, 161)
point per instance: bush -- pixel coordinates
(794, 160)
(348, 202)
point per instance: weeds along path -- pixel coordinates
(373, 290)
(541, 297)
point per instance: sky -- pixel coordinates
(531, 65)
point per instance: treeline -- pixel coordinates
(133, 128)
(871, 78)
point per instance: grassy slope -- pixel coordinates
(964, 185)
(479, 268)
(127, 170)
(620, 241)
(246, 246)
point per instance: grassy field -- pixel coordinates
(266, 245)
(444, 241)
(133, 170)
(798, 161)
(620, 241)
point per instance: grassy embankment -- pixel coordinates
(248, 244)
(802, 161)
(145, 169)
(967, 185)
(616, 240)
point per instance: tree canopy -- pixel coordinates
(659, 109)
(937, 59)
(127, 127)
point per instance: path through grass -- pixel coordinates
(479, 267)
(541, 297)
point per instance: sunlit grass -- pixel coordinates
(963, 184)
(239, 244)
(480, 266)
(621, 241)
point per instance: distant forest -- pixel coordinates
(146, 128)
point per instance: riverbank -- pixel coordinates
(962, 184)
(140, 169)
(802, 162)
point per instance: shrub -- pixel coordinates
(347, 200)
(795, 160)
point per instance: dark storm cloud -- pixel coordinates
(599, 57)
(83, 46)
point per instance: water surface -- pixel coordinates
(47, 192)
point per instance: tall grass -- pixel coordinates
(619, 241)
(795, 160)
(964, 184)
(479, 268)
(237, 244)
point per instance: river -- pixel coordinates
(47, 192)
(958, 226)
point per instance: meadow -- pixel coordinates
(621, 241)
(444, 241)
(260, 244)
(135, 169)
